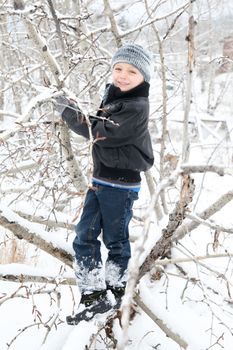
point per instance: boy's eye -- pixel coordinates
(118, 69)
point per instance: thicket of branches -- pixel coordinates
(50, 47)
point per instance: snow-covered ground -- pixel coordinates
(195, 304)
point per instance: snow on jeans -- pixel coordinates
(107, 210)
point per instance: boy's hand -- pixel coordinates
(61, 102)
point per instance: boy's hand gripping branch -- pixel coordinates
(62, 102)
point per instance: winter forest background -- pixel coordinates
(180, 289)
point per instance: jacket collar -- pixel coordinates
(113, 93)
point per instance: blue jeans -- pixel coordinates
(107, 210)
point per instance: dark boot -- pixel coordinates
(89, 299)
(90, 305)
(118, 293)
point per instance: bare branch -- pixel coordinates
(153, 20)
(187, 169)
(73, 168)
(110, 15)
(164, 109)
(57, 24)
(151, 186)
(190, 40)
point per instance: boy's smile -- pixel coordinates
(126, 77)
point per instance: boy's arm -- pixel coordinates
(115, 128)
(121, 127)
(72, 115)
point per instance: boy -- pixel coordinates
(122, 149)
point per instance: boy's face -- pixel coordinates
(126, 76)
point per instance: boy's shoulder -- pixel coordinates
(135, 102)
(130, 107)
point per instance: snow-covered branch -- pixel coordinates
(209, 223)
(23, 274)
(205, 214)
(21, 119)
(42, 219)
(195, 259)
(73, 167)
(163, 245)
(31, 233)
(42, 45)
(168, 331)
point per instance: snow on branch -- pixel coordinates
(28, 165)
(32, 104)
(205, 214)
(195, 259)
(163, 245)
(21, 273)
(33, 234)
(44, 50)
(74, 170)
(209, 223)
(169, 333)
(183, 169)
(161, 248)
(23, 278)
(42, 219)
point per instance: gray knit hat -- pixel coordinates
(134, 54)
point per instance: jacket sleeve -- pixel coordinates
(75, 121)
(120, 128)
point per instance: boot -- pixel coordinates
(90, 305)
(96, 296)
(118, 293)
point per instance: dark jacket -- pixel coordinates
(122, 147)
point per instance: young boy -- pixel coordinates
(122, 149)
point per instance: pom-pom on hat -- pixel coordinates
(137, 56)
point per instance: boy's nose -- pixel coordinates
(123, 74)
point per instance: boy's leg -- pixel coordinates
(86, 245)
(112, 212)
(116, 210)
